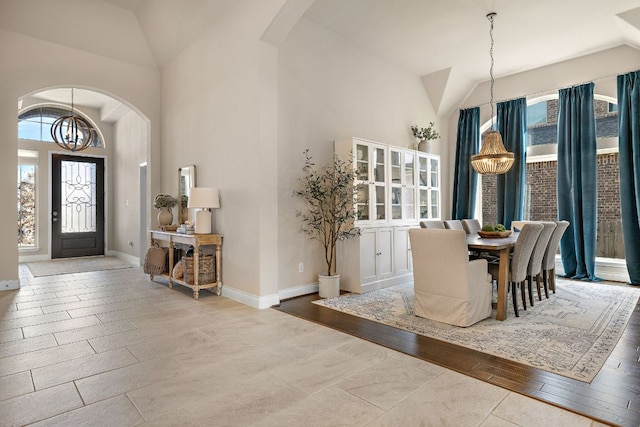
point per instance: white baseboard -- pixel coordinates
(33, 258)
(9, 285)
(251, 300)
(297, 291)
(611, 269)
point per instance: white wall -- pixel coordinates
(327, 90)
(43, 65)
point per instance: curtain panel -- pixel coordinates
(511, 121)
(629, 149)
(465, 178)
(577, 180)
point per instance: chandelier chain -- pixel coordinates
(490, 18)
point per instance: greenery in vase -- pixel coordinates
(164, 201)
(425, 134)
(329, 193)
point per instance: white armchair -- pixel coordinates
(448, 287)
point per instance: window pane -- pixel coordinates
(26, 205)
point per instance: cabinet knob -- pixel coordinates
(378, 253)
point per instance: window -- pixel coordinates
(35, 124)
(27, 212)
(540, 192)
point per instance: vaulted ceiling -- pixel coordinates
(444, 42)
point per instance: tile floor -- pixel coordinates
(113, 348)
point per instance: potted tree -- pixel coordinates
(328, 192)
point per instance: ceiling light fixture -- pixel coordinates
(493, 158)
(73, 133)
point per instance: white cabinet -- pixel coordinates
(397, 187)
(367, 262)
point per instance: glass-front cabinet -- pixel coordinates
(370, 163)
(396, 186)
(428, 186)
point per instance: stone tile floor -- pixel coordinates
(113, 348)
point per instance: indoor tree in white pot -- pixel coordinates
(328, 192)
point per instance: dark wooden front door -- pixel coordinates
(77, 218)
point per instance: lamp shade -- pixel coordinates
(203, 197)
(493, 158)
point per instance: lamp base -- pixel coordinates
(203, 222)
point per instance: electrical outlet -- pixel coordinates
(301, 268)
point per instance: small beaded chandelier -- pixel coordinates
(72, 132)
(493, 158)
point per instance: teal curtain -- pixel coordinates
(465, 178)
(577, 183)
(511, 121)
(629, 141)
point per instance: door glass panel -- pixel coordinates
(424, 204)
(396, 176)
(409, 201)
(362, 162)
(396, 208)
(434, 173)
(379, 164)
(424, 178)
(380, 205)
(435, 197)
(362, 203)
(408, 169)
(78, 197)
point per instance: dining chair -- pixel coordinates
(471, 226)
(448, 286)
(549, 260)
(535, 262)
(453, 224)
(432, 224)
(519, 262)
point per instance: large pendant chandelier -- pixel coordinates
(72, 132)
(493, 158)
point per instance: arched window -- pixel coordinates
(35, 124)
(542, 160)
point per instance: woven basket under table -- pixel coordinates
(206, 269)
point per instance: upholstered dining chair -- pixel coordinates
(432, 224)
(535, 263)
(520, 262)
(549, 260)
(471, 226)
(453, 224)
(448, 287)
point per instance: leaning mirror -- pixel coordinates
(186, 180)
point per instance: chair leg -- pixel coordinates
(544, 285)
(530, 288)
(515, 298)
(523, 291)
(552, 280)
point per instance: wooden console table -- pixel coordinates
(195, 240)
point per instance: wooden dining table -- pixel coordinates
(503, 247)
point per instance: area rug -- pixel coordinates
(572, 333)
(76, 265)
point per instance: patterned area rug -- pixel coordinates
(76, 265)
(572, 333)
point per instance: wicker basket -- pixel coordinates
(206, 269)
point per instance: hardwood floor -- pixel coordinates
(613, 397)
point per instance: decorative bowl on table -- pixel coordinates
(172, 227)
(494, 234)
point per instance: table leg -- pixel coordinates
(219, 270)
(503, 275)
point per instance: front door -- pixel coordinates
(77, 217)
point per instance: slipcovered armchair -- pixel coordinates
(448, 287)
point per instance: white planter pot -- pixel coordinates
(328, 286)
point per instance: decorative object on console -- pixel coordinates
(205, 199)
(164, 202)
(328, 192)
(72, 132)
(423, 136)
(493, 158)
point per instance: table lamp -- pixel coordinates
(205, 199)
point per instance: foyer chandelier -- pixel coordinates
(72, 132)
(493, 158)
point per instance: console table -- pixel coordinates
(195, 240)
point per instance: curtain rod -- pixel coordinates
(546, 91)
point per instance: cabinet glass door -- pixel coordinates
(379, 184)
(363, 182)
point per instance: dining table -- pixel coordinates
(502, 246)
